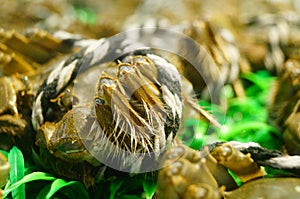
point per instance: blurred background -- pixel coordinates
(105, 18)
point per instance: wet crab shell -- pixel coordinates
(268, 188)
(246, 169)
(82, 171)
(187, 173)
(62, 138)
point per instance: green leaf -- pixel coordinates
(76, 189)
(260, 79)
(114, 186)
(132, 183)
(149, 188)
(28, 178)
(236, 129)
(16, 161)
(129, 197)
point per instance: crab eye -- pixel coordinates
(99, 101)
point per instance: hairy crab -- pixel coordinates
(133, 101)
(16, 106)
(23, 66)
(270, 39)
(188, 173)
(284, 105)
(132, 114)
(116, 103)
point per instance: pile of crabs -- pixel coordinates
(82, 107)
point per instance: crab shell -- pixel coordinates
(284, 105)
(187, 173)
(291, 134)
(4, 170)
(15, 110)
(267, 188)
